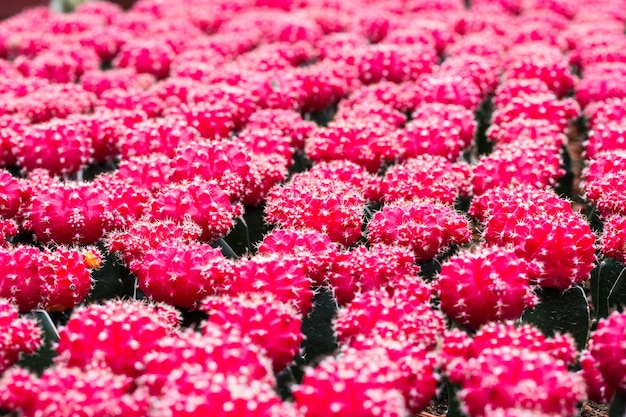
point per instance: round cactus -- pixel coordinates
(608, 350)
(489, 284)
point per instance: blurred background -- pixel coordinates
(9, 8)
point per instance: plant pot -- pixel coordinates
(12, 7)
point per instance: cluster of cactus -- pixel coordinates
(307, 208)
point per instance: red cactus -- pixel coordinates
(289, 122)
(283, 277)
(313, 250)
(61, 147)
(450, 89)
(149, 172)
(607, 348)
(21, 335)
(99, 81)
(369, 145)
(538, 106)
(201, 201)
(179, 273)
(363, 269)
(425, 227)
(425, 177)
(597, 389)
(497, 369)
(509, 165)
(330, 206)
(547, 233)
(357, 383)
(261, 318)
(67, 273)
(489, 284)
(132, 244)
(607, 193)
(131, 99)
(99, 333)
(609, 136)
(67, 213)
(156, 135)
(397, 314)
(65, 391)
(22, 283)
(438, 129)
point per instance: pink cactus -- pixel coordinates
(67, 271)
(369, 145)
(288, 122)
(21, 336)
(401, 313)
(156, 135)
(99, 333)
(181, 273)
(539, 228)
(150, 172)
(363, 269)
(313, 250)
(11, 195)
(609, 110)
(283, 277)
(132, 243)
(450, 89)
(203, 202)
(263, 320)
(509, 165)
(597, 389)
(607, 193)
(609, 136)
(438, 129)
(505, 367)
(66, 391)
(369, 382)
(427, 228)
(613, 239)
(61, 147)
(133, 99)
(152, 56)
(426, 177)
(608, 350)
(538, 106)
(330, 206)
(67, 213)
(488, 284)
(99, 81)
